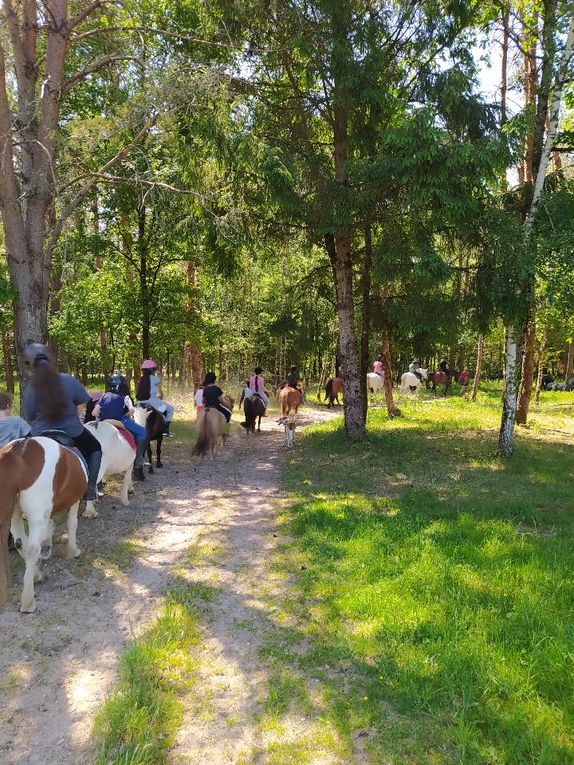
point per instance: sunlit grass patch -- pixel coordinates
(437, 588)
(139, 721)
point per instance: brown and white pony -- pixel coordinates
(210, 426)
(39, 477)
(289, 399)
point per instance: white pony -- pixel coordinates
(375, 382)
(411, 383)
(117, 457)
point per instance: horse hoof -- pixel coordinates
(45, 551)
(139, 474)
(28, 608)
(150, 470)
(90, 511)
(73, 553)
(159, 464)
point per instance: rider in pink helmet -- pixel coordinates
(149, 392)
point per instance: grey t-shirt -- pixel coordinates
(74, 393)
(12, 428)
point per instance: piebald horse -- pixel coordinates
(39, 477)
(210, 424)
(117, 457)
(154, 424)
(411, 383)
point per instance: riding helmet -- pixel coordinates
(115, 382)
(149, 364)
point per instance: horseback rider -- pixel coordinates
(114, 405)
(378, 367)
(414, 369)
(211, 395)
(443, 366)
(292, 380)
(257, 385)
(149, 392)
(11, 427)
(52, 401)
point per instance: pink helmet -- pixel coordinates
(149, 364)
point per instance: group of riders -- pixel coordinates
(57, 404)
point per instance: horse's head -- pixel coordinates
(423, 372)
(227, 401)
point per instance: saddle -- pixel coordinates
(116, 423)
(123, 431)
(62, 438)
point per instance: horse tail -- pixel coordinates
(329, 388)
(202, 444)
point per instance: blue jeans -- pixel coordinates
(136, 430)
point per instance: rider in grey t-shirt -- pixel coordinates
(12, 428)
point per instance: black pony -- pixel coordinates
(253, 408)
(154, 424)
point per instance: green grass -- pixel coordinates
(435, 596)
(138, 723)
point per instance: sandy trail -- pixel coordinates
(57, 666)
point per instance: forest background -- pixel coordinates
(218, 185)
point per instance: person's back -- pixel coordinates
(11, 426)
(292, 379)
(443, 366)
(112, 406)
(378, 367)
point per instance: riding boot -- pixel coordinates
(94, 460)
(166, 432)
(141, 447)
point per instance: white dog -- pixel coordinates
(289, 424)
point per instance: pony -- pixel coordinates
(39, 477)
(375, 382)
(289, 399)
(439, 378)
(154, 424)
(332, 390)
(253, 408)
(117, 457)
(210, 426)
(289, 424)
(410, 382)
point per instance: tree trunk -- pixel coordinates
(570, 361)
(392, 409)
(541, 350)
(527, 371)
(366, 301)
(505, 438)
(7, 355)
(353, 398)
(478, 369)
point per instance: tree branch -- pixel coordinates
(89, 9)
(95, 67)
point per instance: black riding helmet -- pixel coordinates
(115, 382)
(258, 370)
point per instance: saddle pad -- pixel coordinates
(128, 436)
(117, 424)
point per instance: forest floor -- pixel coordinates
(213, 521)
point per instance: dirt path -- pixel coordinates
(58, 665)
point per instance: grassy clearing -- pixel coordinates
(433, 613)
(138, 723)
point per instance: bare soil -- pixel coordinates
(57, 666)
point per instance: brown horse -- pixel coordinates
(439, 378)
(332, 390)
(253, 408)
(210, 424)
(289, 399)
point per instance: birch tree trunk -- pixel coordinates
(541, 350)
(509, 398)
(527, 375)
(478, 370)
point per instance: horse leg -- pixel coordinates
(90, 510)
(73, 549)
(149, 457)
(259, 426)
(158, 461)
(125, 487)
(39, 532)
(18, 531)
